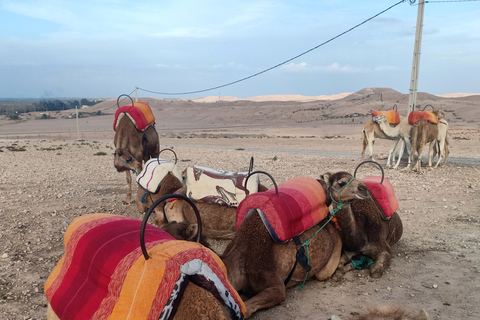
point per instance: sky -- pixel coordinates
(166, 48)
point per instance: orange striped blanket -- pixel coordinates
(298, 206)
(140, 114)
(104, 275)
(414, 116)
(392, 116)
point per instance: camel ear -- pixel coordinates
(422, 315)
(191, 231)
(334, 317)
(326, 177)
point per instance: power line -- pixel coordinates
(280, 64)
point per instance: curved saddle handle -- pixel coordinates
(428, 105)
(266, 173)
(118, 99)
(394, 107)
(168, 149)
(150, 210)
(375, 162)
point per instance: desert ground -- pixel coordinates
(53, 171)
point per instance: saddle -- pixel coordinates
(103, 274)
(298, 206)
(383, 194)
(414, 116)
(392, 116)
(154, 171)
(218, 186)
(140, 114)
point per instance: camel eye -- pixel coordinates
(342, 183)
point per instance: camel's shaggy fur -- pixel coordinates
(130, 151)
(363, 230)
(400, 132)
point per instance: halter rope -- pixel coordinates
(126, 164)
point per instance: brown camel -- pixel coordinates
(387, 313)
(363, 230)
(373, 130)
(218, 221)
(259, 266)
(132, 148)
(424, 132)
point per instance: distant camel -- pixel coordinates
(373, 130)
(399, 132)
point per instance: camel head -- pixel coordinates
(184, 231)
(439, 114)
(124, 160)
(379, 118)
(343, 187)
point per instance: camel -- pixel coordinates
(132, 148)
(424, 132)
(259, 266)
(400, 132)
(363, 229)
(387, 313)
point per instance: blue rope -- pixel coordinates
(144, 197)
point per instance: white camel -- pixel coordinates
(399, 132)
(370, 132)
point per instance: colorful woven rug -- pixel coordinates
(154, 171)
(104, 275)
(392, 116)
(140, 114)
(299, 205)
(383, 194)
(414, 116)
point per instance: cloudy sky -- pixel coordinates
(104, 48)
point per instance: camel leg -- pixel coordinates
(400, 154)
(51, 314)
(392, 152)
(265, 299)
(364, 144)
(447, 152)
(128, 199)
(410, 151)
(441, 147)
(381, 263)
(430, 153)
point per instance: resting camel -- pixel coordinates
(387, 313)
(132, 148)
(371, 131)
(424, 132)
(399, 132)
(363, 230)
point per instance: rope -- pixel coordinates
(340, 204)
(126, 163)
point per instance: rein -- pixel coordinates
(306, 243)
(126, 164)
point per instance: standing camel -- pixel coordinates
(373, 130)
(132, 148)
(400, 132)
(424, 132)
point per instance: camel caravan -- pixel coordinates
(117, 267)
(412, 133)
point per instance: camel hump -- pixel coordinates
(140, 114)
(299, 205)
(383, 193)
(414, 116)
(392, 116)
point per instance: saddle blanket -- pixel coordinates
(140, 114)
(383, 193)
(154, 171)
(298, 206)
(104, 275)
(414, 116)
(392, 116)
(219, 186)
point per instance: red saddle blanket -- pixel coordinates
(299, 205)
(414, 116)
(392, 116)
(140, 114)
(104, 275)
(383, 194)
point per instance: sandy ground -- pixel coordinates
(46, 183)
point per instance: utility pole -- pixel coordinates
(412, 97)
(136, 94)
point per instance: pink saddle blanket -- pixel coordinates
(299, 205)
(383, 194)
(140, 114)
(414, 116)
